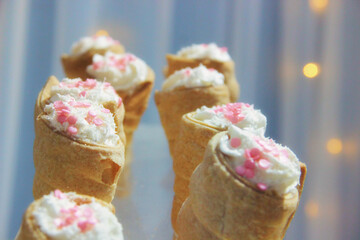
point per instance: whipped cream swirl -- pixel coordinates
(242, 115)
(94, 42)
(270, 166)
(202, 51)
(61, 218)
(123, 71)
(193, 77)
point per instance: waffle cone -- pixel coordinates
(30, 230)
(188, 156)
(72, 165)
(75, 66)
(174, 104)
(135, 103)
(229, 207)
(176, 63)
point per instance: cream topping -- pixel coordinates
(193, 77)
(242, 115)
(123, 71)
(81, 120)
(270, 166)
(94, 42)
(202, 51)
(60, 218)
(92, 90)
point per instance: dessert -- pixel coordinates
(196, 129)
(82, 52)
(69, 215)
(247, 187)
(185, 91)
(131, 78)
(79, 138)
(211, 56)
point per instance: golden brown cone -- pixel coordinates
(229, 207)
(72, 165)
(188, 156)
(30, 230)
(135, 104)
(176, 63)
(75, 66)
(172, 105)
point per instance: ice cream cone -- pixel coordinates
(174, 104)
(30, 229)
(194, 136)
(223, 205)
(227, 68)
(73, 165)
(75, 65)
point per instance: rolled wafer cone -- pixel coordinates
(187, 157)
(75, 65)
(30, 229)
(135, 103)
(72, 165)
(230, 207)
(227, 68)
(172, 105)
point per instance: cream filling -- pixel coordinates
(123, 71)
(60, 218)
(81, 120)
(92, 90)
(260, 160)
(241, 115)
(95, 42)
(202, 51)
(193, 77)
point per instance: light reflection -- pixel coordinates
(311, 70)
(334, 146)
(318, 6)
(312, 209)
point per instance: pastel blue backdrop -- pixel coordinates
(270, 41)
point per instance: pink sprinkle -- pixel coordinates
(187, 72)
(86, 225)
(235, 142)
(240, 170)
(255, 153)
(87, 212)
(262, 186)
(249, 173)
(249, 164)
(83, 94)
(285, 153)
(105, 110)
(72, 120)
(204, 45)
(119, 101)
(223, 49)
(107, 84)
(64, 111)
(61, 118)
(97, 65)
(72, 130)
(264, 164)
(91, 113)
(98, 121)
(211, 69)
(59, 194)
(58, 222)
(89, 83)
(58, 104)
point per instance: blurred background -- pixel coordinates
(296, 60)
